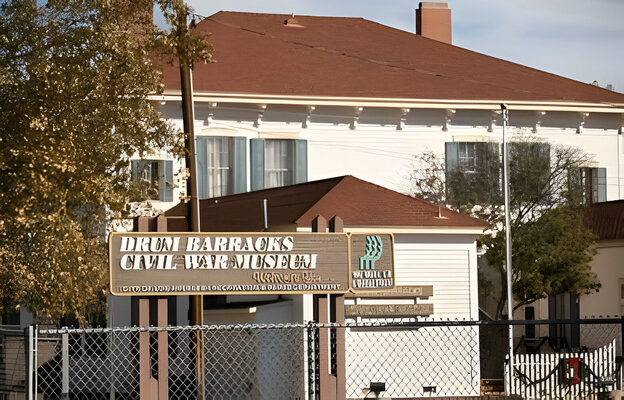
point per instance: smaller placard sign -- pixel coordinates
(397, 292)
(372, 262)
(388, 310)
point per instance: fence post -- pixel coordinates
(35, 357)
(312, 360)
(28, 347)
(65, 366)
(509, 377)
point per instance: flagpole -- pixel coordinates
(508, 264)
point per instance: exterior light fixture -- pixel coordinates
(377, 387)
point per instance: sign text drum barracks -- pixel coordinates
(243, 263)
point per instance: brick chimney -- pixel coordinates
(433, 21)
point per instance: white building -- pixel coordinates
(291, 99)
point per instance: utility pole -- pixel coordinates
(196, 306)
(191, 185)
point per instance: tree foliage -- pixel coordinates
(185, 46)
(550, 255)
(551, 249)
(74, 83)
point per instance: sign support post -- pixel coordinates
(336, 225)
(322, 316)
(149, 387)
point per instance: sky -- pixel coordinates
(578, 39)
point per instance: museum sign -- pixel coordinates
(249, 263)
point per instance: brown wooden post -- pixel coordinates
(145, 361)
(336, 225)
(326, 380)
(145, 364)
(149, 387)
(162, 336)
(161, 223)
(141, 224)
(322, 315)
(319, 224)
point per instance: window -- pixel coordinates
(596, 184)
(220, 166)
(590, 184)
(155, 178)
(278, 162)
(529, 170)
(470, 157)
(472, 172)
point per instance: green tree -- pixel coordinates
(75, 77)
(551, 249)
(550, 255)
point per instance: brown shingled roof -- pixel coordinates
(354, 57)
(357, 202)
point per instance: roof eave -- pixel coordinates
(552, 105)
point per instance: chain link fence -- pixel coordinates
(237, 362)
(12, 362)
(416, 359)
(413, 361)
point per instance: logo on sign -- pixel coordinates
(374, 249)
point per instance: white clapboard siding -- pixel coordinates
(446, 269)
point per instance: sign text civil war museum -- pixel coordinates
(245, 263)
